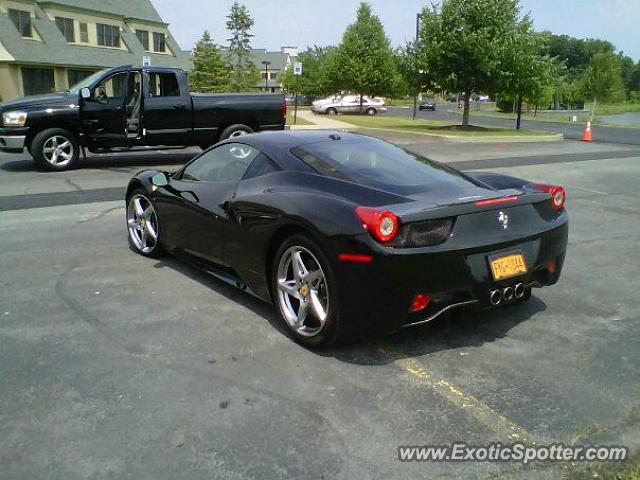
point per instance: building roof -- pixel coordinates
(278, 59)
(54, 49)
(139, 9)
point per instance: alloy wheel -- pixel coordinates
(58, 151)
(303, 295)
(142, 223)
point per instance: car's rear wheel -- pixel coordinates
(332, 111)
(55, 149)
(304, 292)
(371, 111)
(142, 225)
(237, 130)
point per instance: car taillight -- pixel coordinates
(558, 194)
(284, 108)
(381, 224)
(420, 302)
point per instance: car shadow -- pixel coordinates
(259, 307)
(456, 330)
(112, 161)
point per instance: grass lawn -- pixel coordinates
(299, 121)
(431, 126)
(565, 117)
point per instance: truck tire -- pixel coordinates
(55, 149)
(236, 130)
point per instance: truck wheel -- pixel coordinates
(55, 149)
(236, 130)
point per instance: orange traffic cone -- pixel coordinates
(586, 135)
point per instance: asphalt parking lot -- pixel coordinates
(117, 366)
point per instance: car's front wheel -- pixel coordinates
(331, 111)
(305, 293)
(371, 111)
(142, 225)
(55, 149)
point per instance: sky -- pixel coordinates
(321, 22)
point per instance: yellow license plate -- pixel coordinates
(508, 266)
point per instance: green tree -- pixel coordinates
(525, 73)
(626, 70)
(314, 81)
(210, 71)
(462, 45)
(244, 74)
(603, 79)
(363, 62)
(634, 84)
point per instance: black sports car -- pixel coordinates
(350, 234)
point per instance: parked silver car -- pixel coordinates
(349, 104)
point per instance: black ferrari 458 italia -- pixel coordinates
(348, 234)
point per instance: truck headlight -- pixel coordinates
(14, 119)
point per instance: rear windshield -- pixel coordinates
(379, 164)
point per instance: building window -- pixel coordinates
(84, 33)
(22, 21)
(264, 75)
(143, 36)
(65, 25)
(158, 42)
(273, 76)
(37, 80)
(76, 76)
(108, 35)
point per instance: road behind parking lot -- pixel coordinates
(117, 366)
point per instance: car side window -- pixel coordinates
(261, 165)
(226, 163)
(163, 84)
(112, 89)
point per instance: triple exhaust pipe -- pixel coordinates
(496, 297)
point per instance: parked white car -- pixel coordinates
(349, 104)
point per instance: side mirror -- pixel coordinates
(160, 179)
(85, 93)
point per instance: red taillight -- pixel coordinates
(495, 201)
(420, 302)
(558, 194)
(382, 225)
(551, 266)
(284, 108)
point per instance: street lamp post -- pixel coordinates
(266, 64)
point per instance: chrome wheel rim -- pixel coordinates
(303, 294)
(142, 223)
(238, 133)
(58, 151)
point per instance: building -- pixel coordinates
(48, 45)
(277, 64)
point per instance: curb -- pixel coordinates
(553, 137)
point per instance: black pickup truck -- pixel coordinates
(127, 107)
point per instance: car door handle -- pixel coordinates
(119, 108)
(179, 106)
